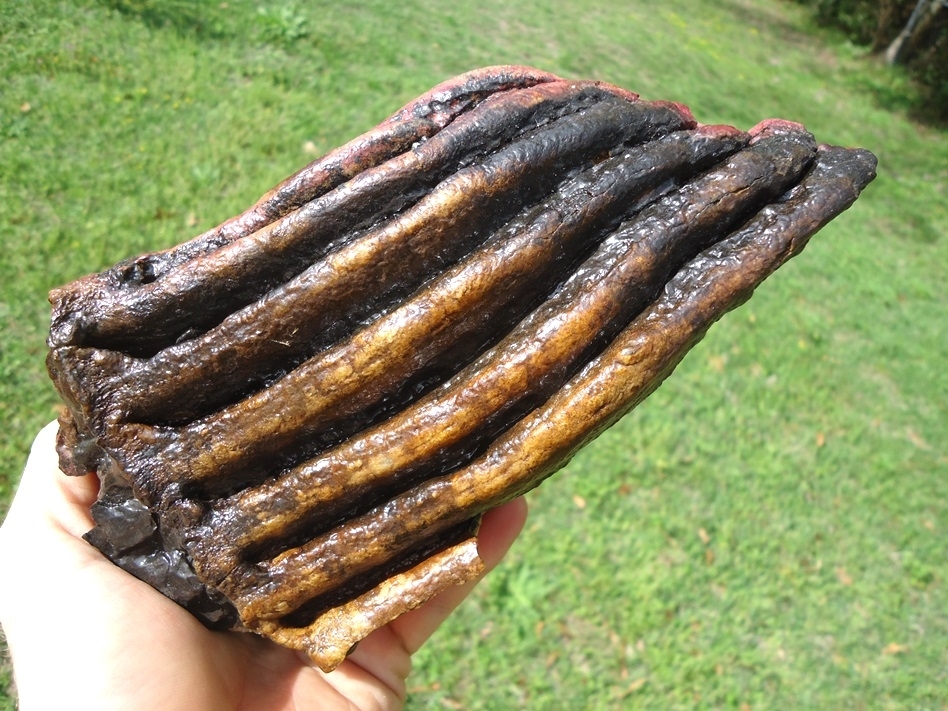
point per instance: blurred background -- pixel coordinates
(767, 530)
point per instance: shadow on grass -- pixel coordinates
(894, 91)
(280, 24)
(892, 88)
(770, 19)
(191, 17)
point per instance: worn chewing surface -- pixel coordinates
(299, 416)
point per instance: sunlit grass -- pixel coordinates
(767, 531)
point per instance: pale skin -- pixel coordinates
(84, 634)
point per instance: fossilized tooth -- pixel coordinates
(299, 416)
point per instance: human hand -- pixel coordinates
(85, 634)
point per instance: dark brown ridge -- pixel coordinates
(416, 121)
(632, 366)
(142, 315)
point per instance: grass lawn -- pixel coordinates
(767, 531)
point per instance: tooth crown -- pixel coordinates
(299, 416)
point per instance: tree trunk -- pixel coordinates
(922, 15)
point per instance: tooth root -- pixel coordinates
(318, 399)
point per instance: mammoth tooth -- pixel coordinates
(299, 416)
